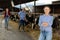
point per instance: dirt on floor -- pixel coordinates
(34, 33)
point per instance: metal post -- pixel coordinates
(35, 14)
(35, 7)
(53, 9)
(20, 6)
(12, 3)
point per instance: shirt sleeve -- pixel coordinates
(40, 22)
(18, 13)
(51, 21)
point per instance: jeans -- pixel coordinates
(45, 35)
(21, 23)
(6, 22)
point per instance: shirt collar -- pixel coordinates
(46, 15)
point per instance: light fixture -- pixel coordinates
(12, 3)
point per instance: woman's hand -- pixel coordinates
(45, 24)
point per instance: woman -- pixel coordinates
(6, 16)
(45, 24)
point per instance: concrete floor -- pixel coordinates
(12, 34)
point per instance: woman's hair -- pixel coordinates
(47, 6)
(6, 8)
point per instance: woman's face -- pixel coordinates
(47, 10)
(7, 10)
